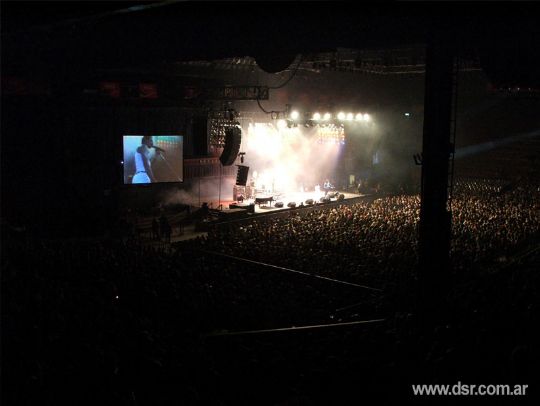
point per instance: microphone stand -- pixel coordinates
(169, 166)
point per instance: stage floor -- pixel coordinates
(286, 198)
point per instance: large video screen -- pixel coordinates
(153, 159)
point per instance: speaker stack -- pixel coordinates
(233, 139)
(242, 175)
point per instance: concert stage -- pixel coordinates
(233, 211)
(260, 206)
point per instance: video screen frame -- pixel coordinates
(152, 159)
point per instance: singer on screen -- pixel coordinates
(143, 162)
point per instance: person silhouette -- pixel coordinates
(164, 227)
(155, 229)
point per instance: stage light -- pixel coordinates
(327, 116)
(281, 123)
(295, 115)
(350, 116)
(341, 115)
(367, 117)
(359, 117)
(407, 114)
(316, 116)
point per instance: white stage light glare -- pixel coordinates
(294, 115)
(366, 117)
(316, 116)
(350, 116)
(359, 117)
(341, 115)
(327, 116)
(281, 123)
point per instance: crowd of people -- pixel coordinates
(479, 186)
(121, 321)
(493, 226)
(372, 239)
(344, 242)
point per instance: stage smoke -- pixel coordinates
(289, 159)
(207, 190)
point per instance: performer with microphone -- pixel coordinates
(143, 161)
(327, 187)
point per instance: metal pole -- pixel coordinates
(220, 173)
(434, 230)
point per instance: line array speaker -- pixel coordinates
(233, 139)
(242, 175)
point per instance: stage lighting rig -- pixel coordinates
(218, 121)
(293, 118)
